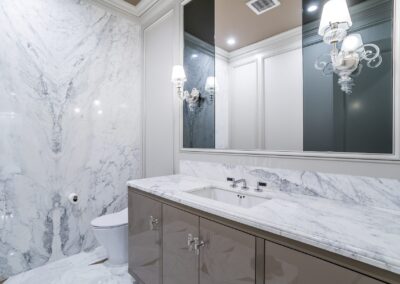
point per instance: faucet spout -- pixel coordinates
(236, 182)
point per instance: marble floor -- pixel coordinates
(83, 268)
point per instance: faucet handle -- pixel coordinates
(260, 184)
(233, 185)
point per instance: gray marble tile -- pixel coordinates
(79, 268)
(70, 122)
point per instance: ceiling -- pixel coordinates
(233, 18)
(199, 20)
(133, 2)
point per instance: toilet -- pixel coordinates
(111, 231)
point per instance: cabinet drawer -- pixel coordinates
(287, 266)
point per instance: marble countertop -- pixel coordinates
(366, 234)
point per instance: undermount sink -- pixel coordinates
(229, 197)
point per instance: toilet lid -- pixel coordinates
(112, 220)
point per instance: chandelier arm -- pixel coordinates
(322, 61)
(328, 69)
(369, 55)
(375, 63)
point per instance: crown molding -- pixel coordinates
(126, 8)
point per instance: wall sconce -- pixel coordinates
(179, 79)
(211, 87)
(335, 22)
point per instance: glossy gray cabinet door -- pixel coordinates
(228, 256)
(145, 225)
(180, 266)
(287, 266)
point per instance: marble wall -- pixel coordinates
(70, 121)
(352, 190)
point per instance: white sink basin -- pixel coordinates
(229, 197)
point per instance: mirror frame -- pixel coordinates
(394, 157)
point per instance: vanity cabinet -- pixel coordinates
(170, 243)
(288, 266)
(145, 224)
(180, 265)
(199, 251)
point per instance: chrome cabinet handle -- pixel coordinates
(194, 244)
(190, 242)
(153, 222)
(198, 245)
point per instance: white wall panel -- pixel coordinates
(283, 89)
(244, 107)
(222, 104)
(158, 97)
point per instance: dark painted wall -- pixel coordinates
(363, 121)
(199, 63)
(199, 20)
(199, 123)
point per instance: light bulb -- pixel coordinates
(352, 43)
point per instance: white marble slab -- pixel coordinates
(366, 191)
(70, 121)
(76, 269)
(366, 234)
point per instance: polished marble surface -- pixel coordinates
(76, 269)
(366, 191)
(363, 233)
(70, 121)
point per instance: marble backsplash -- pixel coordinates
(365, 191)
(70, 121)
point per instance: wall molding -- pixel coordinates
(286, 41)
(275, 45)
(128, 9)
(198, 43)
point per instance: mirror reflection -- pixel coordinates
(288, 75)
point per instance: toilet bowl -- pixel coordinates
(111, 231)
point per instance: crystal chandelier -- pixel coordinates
(347, 60)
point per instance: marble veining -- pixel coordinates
(70, 121)
(366, 191)
(328, 224)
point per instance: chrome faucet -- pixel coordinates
(236, 182)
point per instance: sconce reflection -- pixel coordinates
(211, 87)
(345, 61)
(179, 79)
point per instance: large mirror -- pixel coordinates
(289, 75)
